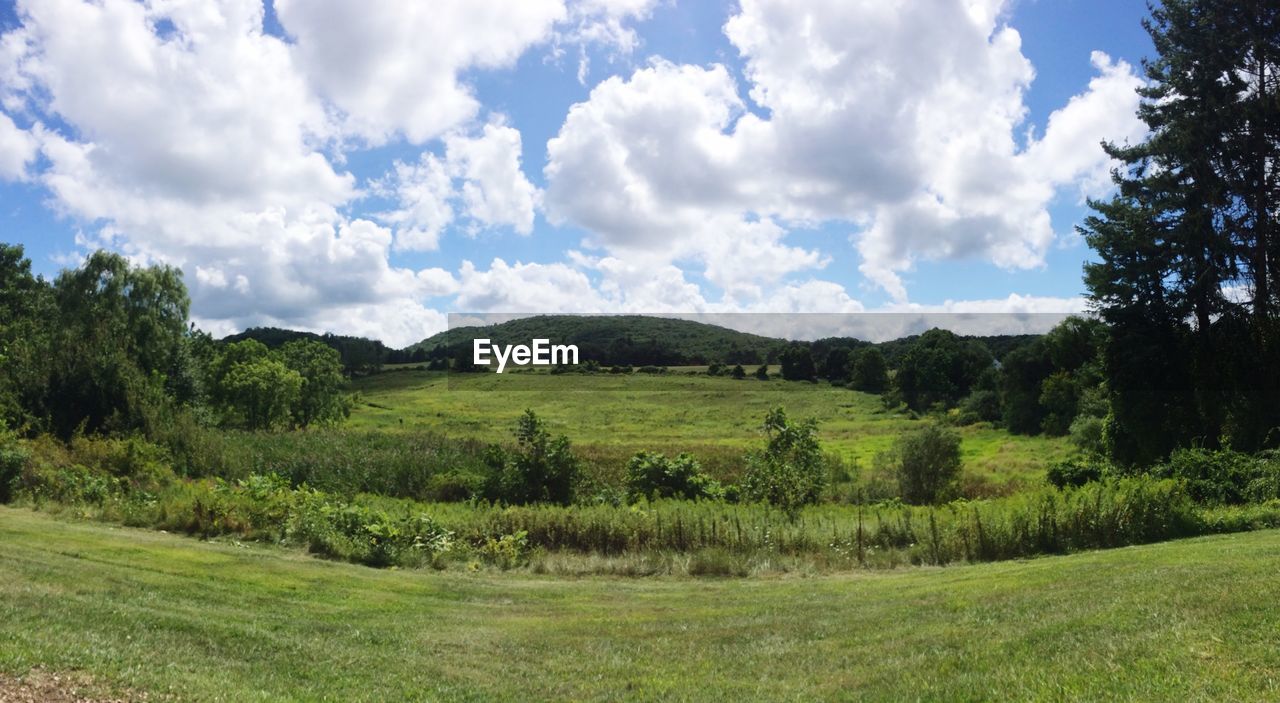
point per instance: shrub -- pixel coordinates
(453, 486)
(928, 464)
(1212, 476)
(790, 472)
(982, 405)
(1086, 434)
(654, 476)
(540, 469)
(738, 372)
(507, 551)
(1065, 474)
(762, 372)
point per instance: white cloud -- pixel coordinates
(478, 176)
(190, 136)
(900, 119)
(392, 66)
(17, 149)
(602, 23)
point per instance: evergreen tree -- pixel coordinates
(1188, 252)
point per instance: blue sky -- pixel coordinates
(328, 166)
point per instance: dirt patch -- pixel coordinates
(40, 686)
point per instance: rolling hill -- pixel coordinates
(639, 340)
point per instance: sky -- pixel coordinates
(366, 168)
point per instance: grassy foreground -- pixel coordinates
(1185, 620)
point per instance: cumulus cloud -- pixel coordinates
(188, 135)
(648, 168)
(391, 67)
(17, 149)
(901, 119)
(479, 178)
(185, 133)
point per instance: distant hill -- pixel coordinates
(636, 340)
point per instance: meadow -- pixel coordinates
(610, 417)
(147, 612)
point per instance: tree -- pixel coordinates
(797, 363)
(789, 472)
(117, 344)
(928, 464)
(262, 392)
(836, 367)
(762, 372)
(321, 399)
(870, 372)
(26, 311)
(541, 469)
(940, 368)
(1194, 218)
(1022, 372)
(738, 372)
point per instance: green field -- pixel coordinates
(614, 416)
(145, 611)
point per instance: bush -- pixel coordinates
(762, 372)
(1086, 434)
(540, 469)
(1073, 474)
(1219, 476)
(654, 476)
(928, 464)
(982, 405)
(790, 472)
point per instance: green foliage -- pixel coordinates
(1086, 433)
(261, 393)
(506, 551)
(615, 340)
(298, 385)
(982, 405)
(789, 472)
(797, 363)
(939, 368)
(738, 372)
(540, 469)
(1224, 476)
(928, 464)
(1059, 397)
(870, 371)
(838, 365)
(762, 372)
(1185, 272)
(13, 459)
(653, 476)
(1072, 474)
(322, 399)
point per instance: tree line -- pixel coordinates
(108, 347)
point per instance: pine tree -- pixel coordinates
(1187, 247)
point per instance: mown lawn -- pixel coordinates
(1188, 620)
(615, 416)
